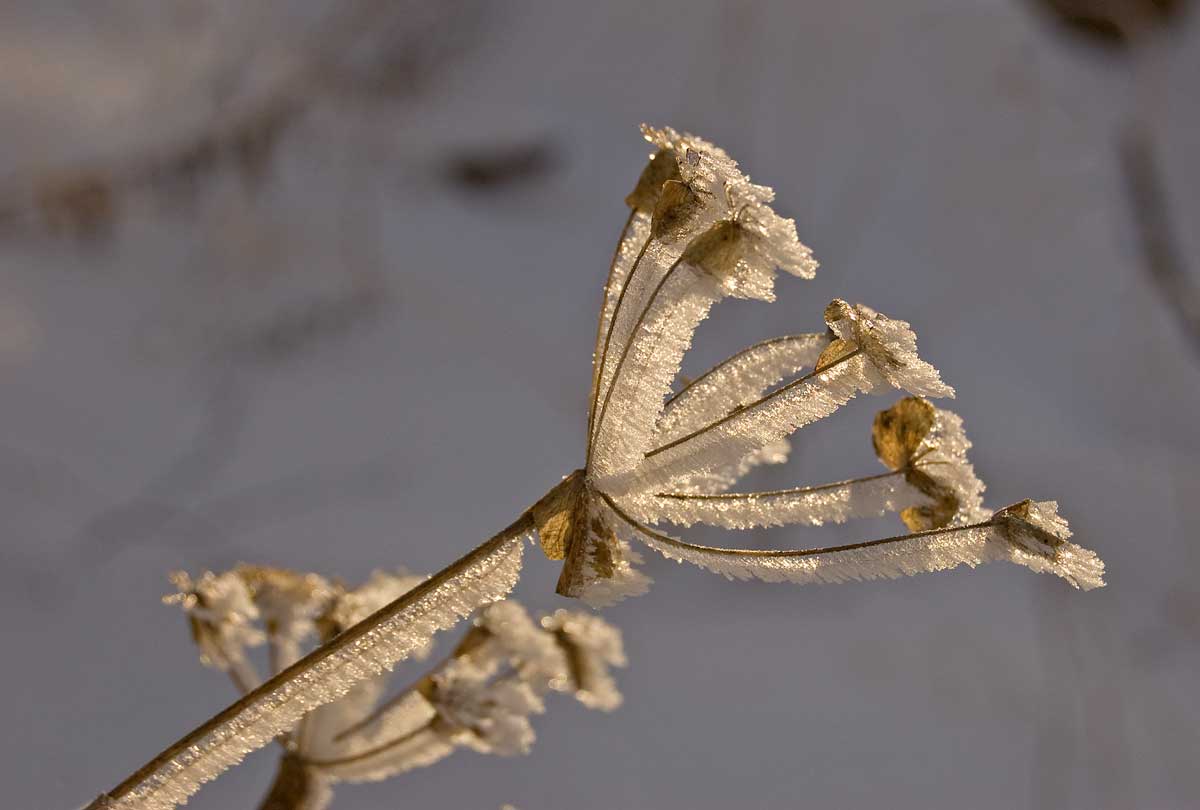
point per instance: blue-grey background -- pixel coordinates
(369, 358)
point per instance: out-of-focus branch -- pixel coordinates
(1162, 256)
(376, 46)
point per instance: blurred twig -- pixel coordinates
(375, 47)
(1162, 256)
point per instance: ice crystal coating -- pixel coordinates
(737, 381)
(1003, 537)
(700, 231)
(711, 235)
(889, 344)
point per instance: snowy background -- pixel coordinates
(372, 349)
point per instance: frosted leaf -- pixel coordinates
(737, 381)
(890, 345)
(591, 646)
(1027, 534)
(363, 651)
(222, 615)
(928, 445)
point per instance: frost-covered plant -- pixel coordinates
(698, 231)
(481, 696)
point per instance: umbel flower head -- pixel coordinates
(481, 696)
(700, 231)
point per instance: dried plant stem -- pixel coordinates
(808, 552)
(731, 496)
(370, 752)
(520, 526)
(245, 678)
(625, 352)
(728, 361)
(396, 700)
(612, 323)
(762, 400)
(601, 333)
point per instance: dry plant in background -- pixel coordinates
(698, 231)
(355, 56)
(481, 696)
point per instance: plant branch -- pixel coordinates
(274, 688)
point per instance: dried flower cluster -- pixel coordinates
(698, 231)
(480, 697)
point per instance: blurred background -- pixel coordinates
(314, 284)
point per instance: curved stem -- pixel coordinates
(370, 752)
(607, 342)
(597, 362)
(393, 701)
(733, 496)
(625, 351)
(808, 552)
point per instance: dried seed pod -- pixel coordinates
(898, 432)
(554, 515)
(661, 168)
(678, 208)
(1033, 526)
